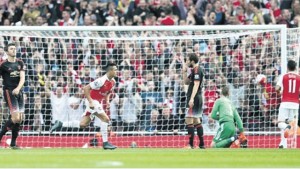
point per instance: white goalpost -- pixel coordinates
(148, 103)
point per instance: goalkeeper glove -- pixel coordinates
(242, 137)
(243, 140)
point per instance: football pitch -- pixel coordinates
(150, 158)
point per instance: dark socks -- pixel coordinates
(199, 129)
(7, 126)
(14, 134)
(191, 134)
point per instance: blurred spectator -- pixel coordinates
(46, 109)
(152, 126)
(211, 94)
(131, 109)
(167, 121)
(170, 101)
(166, 17)
(151, 100)
(38, 121)
(258, 18)
(140, 13)
(253, 102)
(237, 94)
(152, 12)
(273, 6)
(181, 98)
(29, 112)
(73, 112)
(126, 79)
(285, 18)
(115, 107)
(74, 109)
(220, 18)
(58, 99)
(286, 4)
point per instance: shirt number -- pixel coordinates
(292, 85)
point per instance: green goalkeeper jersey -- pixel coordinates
(224, 111)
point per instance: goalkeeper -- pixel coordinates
(227, 115)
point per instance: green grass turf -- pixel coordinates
(149, 158)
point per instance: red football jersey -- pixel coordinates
(101, 87)
(290, 86)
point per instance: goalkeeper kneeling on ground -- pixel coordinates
(227, 115)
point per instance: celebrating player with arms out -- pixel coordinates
(95, 93)
(194, 99)
(289, 85)
(227, 115)
(13, 74)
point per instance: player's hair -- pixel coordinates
(110, 66)
(225, 91)
(193, 57)
(291, 65)
(8, 45)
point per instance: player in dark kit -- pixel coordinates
(194, 99)
(13, 74)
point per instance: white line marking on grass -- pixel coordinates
(109, 164)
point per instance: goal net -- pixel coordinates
(148, 104)
(293, 52)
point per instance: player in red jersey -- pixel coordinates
(289, 87)
(96, 93)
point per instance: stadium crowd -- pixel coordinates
(151, 12)
(149, 95)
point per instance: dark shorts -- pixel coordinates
(196, 110)
(15, 103)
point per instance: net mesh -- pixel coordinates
(293, 52)
(149, 101)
